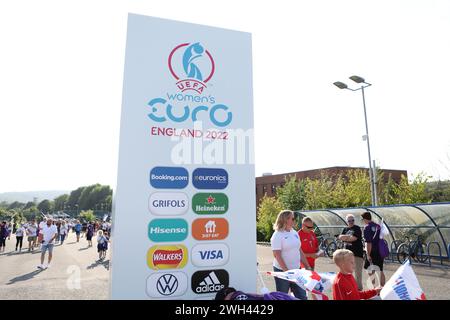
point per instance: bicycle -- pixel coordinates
(334, 245)
(324, 240)
(415, 249)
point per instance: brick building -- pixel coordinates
(267, 184)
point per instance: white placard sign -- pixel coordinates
(184, 222)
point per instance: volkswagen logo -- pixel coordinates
(167, 284)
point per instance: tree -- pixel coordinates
(292, 194)
(30, 204)
(87, 215)
(268, 210)
(357, 189)
(74, 197)
(108, 202)
(45, 206)
(319, 193)
(16, 205)
(414, 192)
(61, 201)
(438, 191)
(387, 192)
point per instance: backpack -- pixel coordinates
(383, 248)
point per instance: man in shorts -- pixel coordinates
(31, 232)
(49, 233)
(372, 239)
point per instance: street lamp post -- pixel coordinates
(372, 173)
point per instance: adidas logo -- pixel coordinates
(210, 284)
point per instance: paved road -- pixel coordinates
(435, 282)
(75, 274)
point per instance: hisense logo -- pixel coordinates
(167, 230)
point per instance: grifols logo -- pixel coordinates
(192, 66)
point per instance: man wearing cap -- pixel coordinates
(352, 238)
(372, 239)
(49, 232)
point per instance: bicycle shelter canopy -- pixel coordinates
(429, 221)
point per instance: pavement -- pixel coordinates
(434, 281)
(76, 273)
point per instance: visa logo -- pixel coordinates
(211, 255)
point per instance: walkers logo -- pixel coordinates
(168, 203)
(167, 257)
(169, 178)
(210, 255)
(192, 66)
(209, 281)
(210, 229)
(210, 203)
(167, 230)
(205, 178)
(163, 285)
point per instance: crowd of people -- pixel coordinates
(299, 249)
(48, 232)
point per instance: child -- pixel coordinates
(344, 285)
(102, 245)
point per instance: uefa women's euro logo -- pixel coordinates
(192, 66)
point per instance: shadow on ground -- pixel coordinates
(24, 277)
(97, 263)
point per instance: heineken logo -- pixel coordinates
(210, 203)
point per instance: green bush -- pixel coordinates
(268, 210)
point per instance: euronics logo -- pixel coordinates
(210, 203)
(206, 178)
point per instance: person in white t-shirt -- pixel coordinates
(63, 232)
(287, 252)
(20, 232)
(31, 232)
(49, 233)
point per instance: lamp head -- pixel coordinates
(357, 79)
(340, 85)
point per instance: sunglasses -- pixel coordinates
(350, 220)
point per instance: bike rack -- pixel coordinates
(440, 252)
(394, 246)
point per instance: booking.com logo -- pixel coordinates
(193, 58)
(169, 177)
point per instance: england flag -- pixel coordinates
(403, 285)
(316, 283)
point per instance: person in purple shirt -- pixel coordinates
(89, 233)
(3, 235)
(372, 239)
(231, 293)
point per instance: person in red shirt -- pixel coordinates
(344, 285)
(309, 242)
